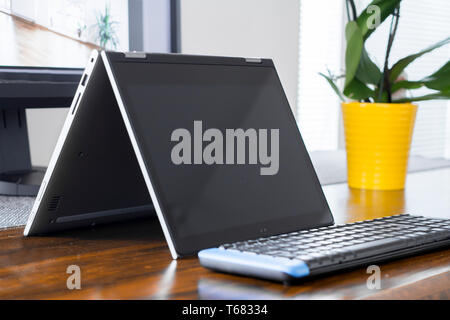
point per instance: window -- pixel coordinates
(421, 24)
(322, 45)
(69, 17)
(5, 5)
(74, 18)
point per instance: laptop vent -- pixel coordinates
(54, 203)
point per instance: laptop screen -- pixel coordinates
(222, 150)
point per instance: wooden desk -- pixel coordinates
(131, 260)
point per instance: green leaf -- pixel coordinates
(353, 51)
(333, 86)
(440, 80)
(432, 96)
(366, 17)
(356, 90)
(400, 65)
(404, 84)
(368, 71)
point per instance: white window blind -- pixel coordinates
(320, 47)
(5, 5)
(421, 24)
(322, 44)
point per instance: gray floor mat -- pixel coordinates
(14, 211)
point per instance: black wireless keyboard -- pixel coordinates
(328, 248)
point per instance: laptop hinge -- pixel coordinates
(135, 55)
(253, 60)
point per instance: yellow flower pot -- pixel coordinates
(377, 141)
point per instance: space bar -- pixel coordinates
(377, 247)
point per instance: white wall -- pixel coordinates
(250, 28)
(156, 25)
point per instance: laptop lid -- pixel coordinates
(218, 146)
(93, 176)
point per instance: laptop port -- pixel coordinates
(83, 82)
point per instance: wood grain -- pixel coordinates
(131, 260)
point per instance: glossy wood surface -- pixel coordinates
(131, 260)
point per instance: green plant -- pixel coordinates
(106, 30)
(364, 80)
(81, 27)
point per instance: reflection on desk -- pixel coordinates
(131, 260)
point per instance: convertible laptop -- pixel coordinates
(211, 144)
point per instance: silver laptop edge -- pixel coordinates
(139, 156)
(62, 137)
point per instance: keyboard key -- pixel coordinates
(421, 229)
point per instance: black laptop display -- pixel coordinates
(208, 204)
